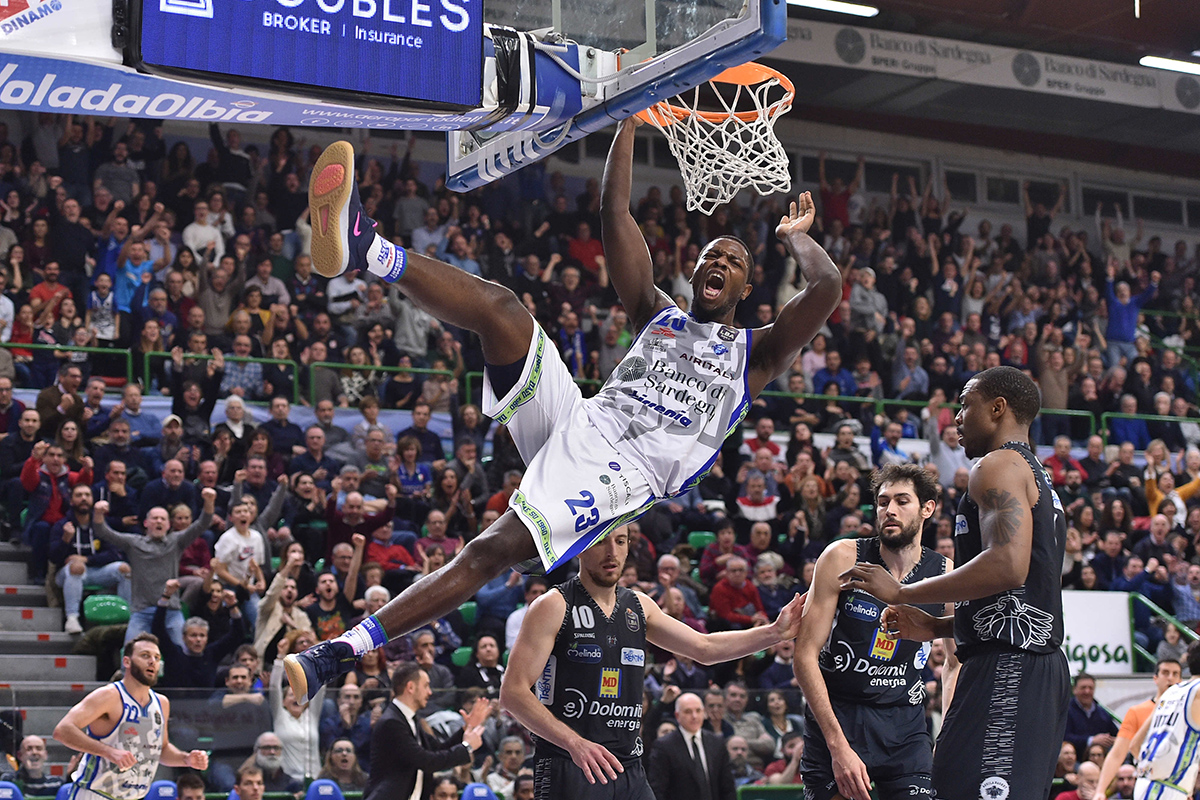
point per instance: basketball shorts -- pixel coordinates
(558, 778)
(893, 742)
(576, 488)
(1001, 737)
(1146, 789)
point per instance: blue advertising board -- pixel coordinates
(422, 50)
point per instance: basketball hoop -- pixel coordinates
(722, 152)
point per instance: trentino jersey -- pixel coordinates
(593, 679)
(859, 662)
(1169, 754)
(1031, 616)
(670, 403)
(139, 731)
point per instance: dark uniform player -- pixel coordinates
(866, 697)
(1001, 735)
(574, 676)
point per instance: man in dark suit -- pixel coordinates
(412, 753)
(61, 401)
(679, 769)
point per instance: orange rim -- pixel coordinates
(749, 74)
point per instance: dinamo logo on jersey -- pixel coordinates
(884, 647)
(610, 682)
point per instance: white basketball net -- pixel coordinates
(720, 158)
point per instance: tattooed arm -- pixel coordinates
(1004, 489)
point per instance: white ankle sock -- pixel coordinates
(385, 259)
(366, 636)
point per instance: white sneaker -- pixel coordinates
(73, 625)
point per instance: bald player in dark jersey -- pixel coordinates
(575, 674)
(1001, 736)
(865, 714)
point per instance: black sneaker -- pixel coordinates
(341, 231)
(317, 666)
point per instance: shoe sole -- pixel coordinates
(329, 192)
(296, 676)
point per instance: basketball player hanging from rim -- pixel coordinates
(652, 432)
(1001, 735)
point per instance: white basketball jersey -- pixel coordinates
(1169, 754)
(673, 399)
(140, 732)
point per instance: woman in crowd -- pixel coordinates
(304, 515)
(69, 439)
(297, 724)
(150, 341)
(414, 475)
(260, 445)
(358, 384)
(403, 389)
(470, 422)
(778, 721)
(455, 503)
(341, 767)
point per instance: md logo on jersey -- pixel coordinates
(884, 647)
(632, 657)
(610, 682)
(631, 620)
(861, 609)
(585, 653)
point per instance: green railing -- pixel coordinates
(146, 358)
(1110, 415)
(470, 378)
(1158, 611)
(337, 366)
(113, 351)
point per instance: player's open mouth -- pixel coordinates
(713, 285)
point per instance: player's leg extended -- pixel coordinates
(505, 543)
(344, 238)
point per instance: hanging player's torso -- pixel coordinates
(673, 399)
(1031, 616)
(1170, 752)
(859, 662)
(594, 677)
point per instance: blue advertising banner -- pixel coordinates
(425, 50)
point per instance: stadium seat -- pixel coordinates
(476, 791)
(161, 790)
(275, 562)
(462, 656)
(468, 611)
(64, 791)
(105, 609)
(323, 789)
(698, 540)
(10, 791)
(320, 565)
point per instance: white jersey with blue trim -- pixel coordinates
(1169, 754)
(670, 403)
(140, 731)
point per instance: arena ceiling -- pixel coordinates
(1104, 30)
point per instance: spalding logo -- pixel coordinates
(861, 609)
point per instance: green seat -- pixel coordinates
(320, 565)
(185, 609)
(468, 611)
(695, 573)
(275, 562)
(462, 656)
(504, 657)
(698, 540)
(105, 609)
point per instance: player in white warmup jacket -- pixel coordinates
(121, 729)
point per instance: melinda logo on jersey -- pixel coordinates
(861, 609)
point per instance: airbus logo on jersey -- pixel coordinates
(585, 653)
(633, 657)
(861, 609)
(610, 682)
(130, 732)
(664, 332)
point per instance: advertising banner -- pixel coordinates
(1097, 633)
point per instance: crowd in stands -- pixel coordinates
(237, 543)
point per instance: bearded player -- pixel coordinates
(653, 431)
(121, 729)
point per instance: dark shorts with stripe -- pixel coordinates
(1001, 736)
(559, 779)
(892, 741)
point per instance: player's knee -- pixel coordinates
(497, 548)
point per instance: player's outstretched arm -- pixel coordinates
(526, 661)
(629, 265)
(848, 769)
(1006, 527)
(777, 345)
(675, 637)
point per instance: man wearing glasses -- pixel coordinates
(268, 756)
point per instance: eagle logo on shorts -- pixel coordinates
(1009, 619)
(993, 788)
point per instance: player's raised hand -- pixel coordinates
(595, 761)
(799, 217)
